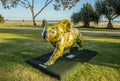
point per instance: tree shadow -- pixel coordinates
(22, 32)
(108, 53)
(33, 46)
(19, 49)
(93, 27)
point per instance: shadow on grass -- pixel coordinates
(108, 53)
(23, 32)
(93, 27)
(19, 50)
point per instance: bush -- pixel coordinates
(1, 19)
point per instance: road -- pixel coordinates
(101, 32)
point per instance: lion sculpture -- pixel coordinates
(62, 36)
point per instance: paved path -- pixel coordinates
(101, 32)
(82, 31)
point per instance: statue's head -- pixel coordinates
(52, 33)
(49, 33)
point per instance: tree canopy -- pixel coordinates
(109, 8)
(86, 14)
(58, 4)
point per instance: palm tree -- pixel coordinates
(87, 14)
(109, 8)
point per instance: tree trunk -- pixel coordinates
(86, 25)
(110, 26)
(34, 23)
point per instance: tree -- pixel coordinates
(86, 15)
(109, 8)
(75, 18)
(116, 5)
(1, 19)
(30, 4)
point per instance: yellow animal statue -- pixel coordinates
(62, 36)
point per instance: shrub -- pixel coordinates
(1, 19)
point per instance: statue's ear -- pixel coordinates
(65, 24)
(44, 22)
(68, 25)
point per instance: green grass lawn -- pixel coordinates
(17, 46)
(100, 29)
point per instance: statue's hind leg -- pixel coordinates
(80, 44)
(56, 54)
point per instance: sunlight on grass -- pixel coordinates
(5, 37)
(18, 72)
(102, 39)
(106, 65)
(90, 72)
(17, 46)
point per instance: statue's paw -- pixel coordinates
(48, 63)
(66, 51)
(61, 55)
(80, 49)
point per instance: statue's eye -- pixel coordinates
(63, 22)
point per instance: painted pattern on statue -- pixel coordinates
(62, 36)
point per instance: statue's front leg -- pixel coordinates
(56, 54)
(67, 51)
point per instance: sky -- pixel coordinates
(21, 13)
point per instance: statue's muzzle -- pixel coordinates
(45, 34)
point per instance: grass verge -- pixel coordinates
(99, 29)
(17, 46)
